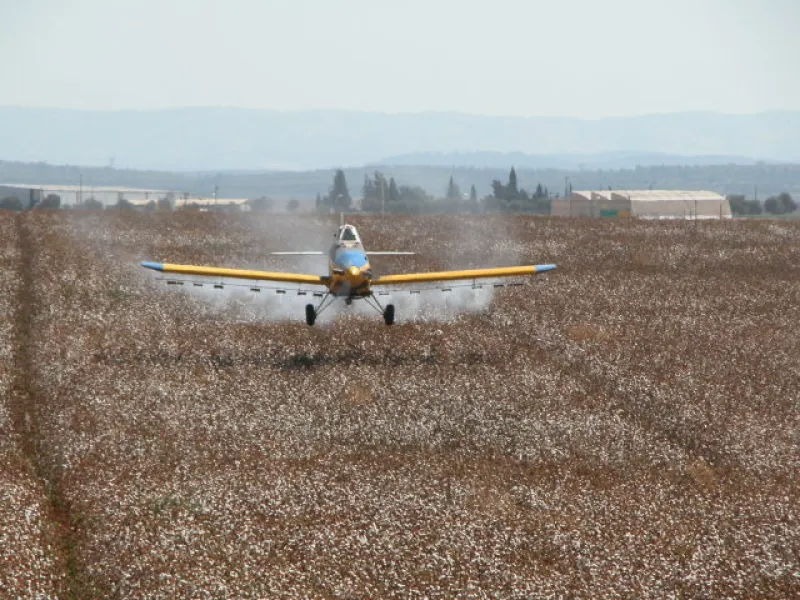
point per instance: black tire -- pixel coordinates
(388, 314)
(311, 314)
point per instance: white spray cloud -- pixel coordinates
(235, 302)
(432, 306)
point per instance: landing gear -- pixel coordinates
(311, 315)
(312, 312)
(388, 312)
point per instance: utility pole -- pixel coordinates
(216, 189)
(566, 195)
(80, 189)
(383, 196)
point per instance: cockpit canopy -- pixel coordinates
(349, 235)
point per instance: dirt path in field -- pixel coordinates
(27, 404)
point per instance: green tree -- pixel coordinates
(375, 193)
(512, 190)
(780, 204)
(453, 191)
(541, 205)
(394, 193)
(472, 205)
(789, 205)
(369, 195)
(413, 199)
(741, 206)
(771, 205)
(11, 203)
(165, 203)
(92, 203)
(339, 195)
(738, 204)
(508, 196)
(51, 201)
(123, 204)
(498, 190)
(261, 204)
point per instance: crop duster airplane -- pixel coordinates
(349, 276)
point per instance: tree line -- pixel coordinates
(382, 194)
(780, 204)
(770, 179)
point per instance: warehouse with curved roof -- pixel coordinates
(646, 204)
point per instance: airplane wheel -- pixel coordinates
(388, 314)
(311, 314)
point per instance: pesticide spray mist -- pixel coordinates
(235, 302)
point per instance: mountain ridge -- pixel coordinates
(570, 161)
(225, 138)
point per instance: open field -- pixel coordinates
(625, 427)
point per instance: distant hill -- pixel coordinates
(214, 139)
(580, 162)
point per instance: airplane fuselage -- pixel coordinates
(349, 271)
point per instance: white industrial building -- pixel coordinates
(645, 204)
(140, 198)
(72, 195)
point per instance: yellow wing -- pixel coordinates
(236, 273)
(454, 275)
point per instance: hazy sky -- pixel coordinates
(582, 58)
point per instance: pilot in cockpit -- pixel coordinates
(348, 235)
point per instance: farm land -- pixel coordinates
(627, 426)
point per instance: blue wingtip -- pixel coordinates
(540, 268)
(153, 265)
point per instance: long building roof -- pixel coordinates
(650, 195)
(671, 195)
(590, 194)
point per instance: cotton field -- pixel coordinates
(627, 426)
